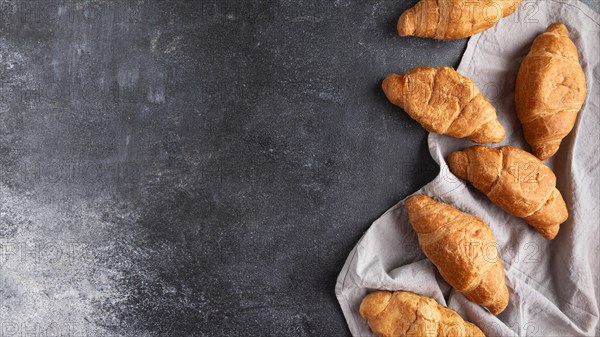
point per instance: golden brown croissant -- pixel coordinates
(516, 181)
(463, 249)
(400, 313)
(453, 19)
(550, 90)
(443, 101)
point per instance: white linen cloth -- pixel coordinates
(553, 285)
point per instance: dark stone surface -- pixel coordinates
(201, 168)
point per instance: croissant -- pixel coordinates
(550, 90)
(443, 101)
(453, 19)
(463, 249)
(516, 181)
(400, 313)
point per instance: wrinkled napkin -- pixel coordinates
(553, 285)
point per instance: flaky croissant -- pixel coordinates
(444, 101)
(463, 249)
(516, 181)
(550, 90)
(401, 313)
(453, 19)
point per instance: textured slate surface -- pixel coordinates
(201, 168)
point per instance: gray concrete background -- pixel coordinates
(197, 168)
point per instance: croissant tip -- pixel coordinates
(549, 233)
(491, 132)
(406, 23)
(416, 197)
(387, 81)
(416, 201)
(496, 310)
(502, 302)
(559, 28)
(545, 151)
(374, 303)
(498, 134)
(458, 164)
(390, 87)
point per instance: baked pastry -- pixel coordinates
(550, 90)
(515, 180)
(444, 101)
(400, 313)
(463, 249)
(453, 19)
